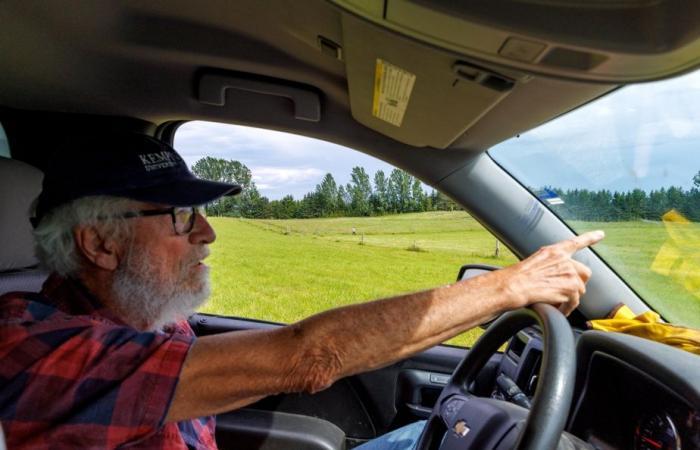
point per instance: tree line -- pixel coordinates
(398, 192)
(607, 206)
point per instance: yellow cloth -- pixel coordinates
(679, 257)
(649, 326)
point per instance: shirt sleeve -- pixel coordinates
(111, 382)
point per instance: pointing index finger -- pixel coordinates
(582, 241)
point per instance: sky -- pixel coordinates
(281, 163)
(643, 136)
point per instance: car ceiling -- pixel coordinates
(146, 61)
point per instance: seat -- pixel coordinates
(20, 184)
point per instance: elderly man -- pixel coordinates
(102, 357)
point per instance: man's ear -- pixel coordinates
(96, 248)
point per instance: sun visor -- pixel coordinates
(413, 94)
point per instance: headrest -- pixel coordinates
(20, 185)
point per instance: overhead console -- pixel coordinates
(616, 41)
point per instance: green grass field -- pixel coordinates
(285, 270)
(660, 262)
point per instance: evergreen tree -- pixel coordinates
(283, 209)
(400, 191)
(327, 196)
(308, 207)
(253, 205)
(417, 195)
(343, 200)
(441, 202)
(675, 198)
(658, 204)
(380, 198)
(360, 191)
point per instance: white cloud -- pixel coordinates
(285, 174)
(292, 180)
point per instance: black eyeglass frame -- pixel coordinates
(194, 210)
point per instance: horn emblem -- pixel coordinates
(461, 429)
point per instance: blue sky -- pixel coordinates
(644, 136)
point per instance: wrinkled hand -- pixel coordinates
(551, 275)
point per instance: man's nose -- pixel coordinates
(202, 232)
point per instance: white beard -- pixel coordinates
(147, 302)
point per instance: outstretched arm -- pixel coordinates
(230, 370)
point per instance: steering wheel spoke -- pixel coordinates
(472, 422)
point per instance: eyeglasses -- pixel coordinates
(183, 218)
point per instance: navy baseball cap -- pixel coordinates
(128, 165)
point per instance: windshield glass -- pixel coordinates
(629, 164)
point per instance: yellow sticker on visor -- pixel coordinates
(392, 91)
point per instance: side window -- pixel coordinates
(319, 226)
(4, 144)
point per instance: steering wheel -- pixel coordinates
(462, 421)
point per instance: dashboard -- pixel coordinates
(630, 393)
(622, 407)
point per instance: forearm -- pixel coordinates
(371, 335)
(230, 370)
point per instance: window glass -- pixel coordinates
(4, 145)
(320, 226)
(628, 164)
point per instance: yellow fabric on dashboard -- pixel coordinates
(649, 326)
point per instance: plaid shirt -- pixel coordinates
(72, 375)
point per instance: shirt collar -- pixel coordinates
(72, 297)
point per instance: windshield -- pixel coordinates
(629, 164)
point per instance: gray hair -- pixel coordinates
(55, 244)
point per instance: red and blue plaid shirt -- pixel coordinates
(73, 375)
